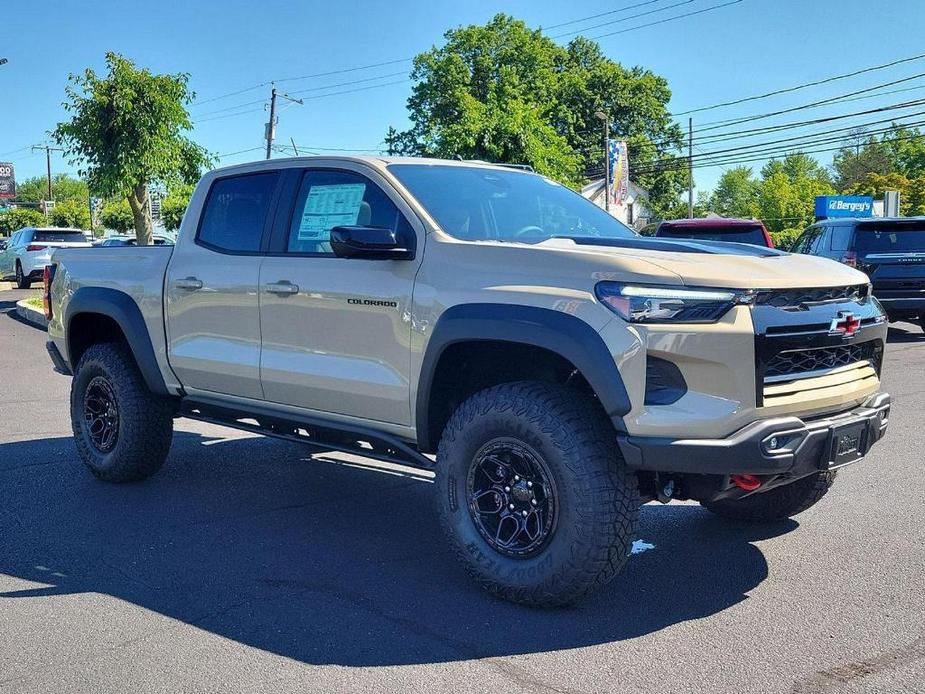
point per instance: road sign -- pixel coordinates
(7, 180)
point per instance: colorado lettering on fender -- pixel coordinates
(373, 302)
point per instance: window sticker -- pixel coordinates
(330, 206)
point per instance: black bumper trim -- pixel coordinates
(805, 448)
(61, 366)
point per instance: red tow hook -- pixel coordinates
(748, 483)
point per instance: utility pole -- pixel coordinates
(48, 151)
(606, 121)
(271, 126)
(690, 168)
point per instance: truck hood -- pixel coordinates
(721, 264)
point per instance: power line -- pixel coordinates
(666, 20)
(622, 19)
(805, 85)
(600, 14)
(304, 91)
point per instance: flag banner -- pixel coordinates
(618, 161)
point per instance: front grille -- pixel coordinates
(801, 361)
(792, 298)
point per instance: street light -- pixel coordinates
(3, 61)
(606, 121)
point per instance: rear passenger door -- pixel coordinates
(213, 320)
(336, 331)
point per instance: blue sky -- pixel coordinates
(746, 48)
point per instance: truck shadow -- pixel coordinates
(328, 563)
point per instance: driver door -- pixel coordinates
(336, 332)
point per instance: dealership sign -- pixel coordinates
(844, 206)
(7, 180)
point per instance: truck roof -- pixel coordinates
(378, 162)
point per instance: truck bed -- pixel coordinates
(136, 271)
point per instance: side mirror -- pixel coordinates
(371, 243)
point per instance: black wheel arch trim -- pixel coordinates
(123, 309)
(561, 333)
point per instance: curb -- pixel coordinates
(31, 315)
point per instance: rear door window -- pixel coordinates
(841, 237)
(236, 212)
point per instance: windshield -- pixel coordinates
(59, 236)
(896, 237)
(738, 234)
(481, 204)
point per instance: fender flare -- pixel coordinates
(123, 309)
(561, 333)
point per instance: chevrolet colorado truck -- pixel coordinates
(562, 369)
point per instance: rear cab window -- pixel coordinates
(236, 212)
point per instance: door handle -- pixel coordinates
(282, 288)
(188, 283)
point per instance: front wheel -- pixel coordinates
(22, 281)
(122, 430)
(775, 504)
(533, 493)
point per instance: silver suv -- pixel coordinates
(562, 369)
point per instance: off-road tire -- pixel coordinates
(22, 281)
(597, 498)
(776, 504)
(145, 420)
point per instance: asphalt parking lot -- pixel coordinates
(245, 565)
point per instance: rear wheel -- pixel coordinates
(122, 430)
(22, 281)
(776, 504)
(533, 494)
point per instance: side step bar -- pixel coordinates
(320, 434)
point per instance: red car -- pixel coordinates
(718, 229)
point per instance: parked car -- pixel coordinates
(717, 229)
(132, 241)
(29, 251)
(890, 250)
(563, 369)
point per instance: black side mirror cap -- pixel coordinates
(371, 243)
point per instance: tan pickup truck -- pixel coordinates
(563, 369)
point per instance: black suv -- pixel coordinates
(890, 250)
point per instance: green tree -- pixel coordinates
(118, 216)
(504, 92)
(126, 131)
(63, 187)
(851, 164)
(173, 207)
(70, 213)
(788, 190)
(911, 191)
(906, 148)
(736, 194)
(19, 217)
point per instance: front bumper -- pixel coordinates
(803, 446)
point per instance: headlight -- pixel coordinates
(645, 304)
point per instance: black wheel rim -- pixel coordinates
(101, 414)
(19, 275)
(512, 498)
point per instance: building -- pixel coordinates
(634, 212)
